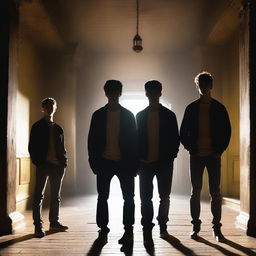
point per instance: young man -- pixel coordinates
(48, 154)
(112, 149)
(158, 146)
(205, 132)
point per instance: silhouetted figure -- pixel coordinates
(205, 132)
(158, 146)
(112, 148)
(47, 152)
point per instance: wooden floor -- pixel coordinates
(79, 215)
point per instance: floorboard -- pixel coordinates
(79, 215)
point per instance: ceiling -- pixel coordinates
(110, 25)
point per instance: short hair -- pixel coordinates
(47, 101)
(203, 77)
(113, 86)
(153, 85)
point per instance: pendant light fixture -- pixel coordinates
(137, 40)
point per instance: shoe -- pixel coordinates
(39, 232)
(126, 238)
(147, 238)
(193, 235)
(102, 238)
(56, 226)
(219, 237)
(164, 234)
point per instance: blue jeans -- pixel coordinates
(55, 175)
(104, 176)
(213, 166)
(163, 173)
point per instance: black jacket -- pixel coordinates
(168, 134)
(39, 141)
(220, 128)
(127, 139)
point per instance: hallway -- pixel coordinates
(79, 215)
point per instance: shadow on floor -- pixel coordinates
(16, 240)
(96, 248)
(239, 247)
(176, 243)
(7, 243)
(127, 249)
(216, 246)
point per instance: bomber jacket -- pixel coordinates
(39, 141)
(220, 128)
(127, 139)
(168, 134)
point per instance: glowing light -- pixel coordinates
(137, 101)
(134, 101)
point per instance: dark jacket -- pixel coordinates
(39, 141)
(220, 128)
(127, 139)
(168, 134)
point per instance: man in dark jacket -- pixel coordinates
(48, 154)
(112, 149)
(205, 132)
(158, 147)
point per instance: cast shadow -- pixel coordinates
(96, 248)
(127, 249)
(239, 247)
(25, 238)
(150, 249)
(175, 242)
(216, 246)
(16, 240)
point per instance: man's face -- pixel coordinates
(49, 109)
(153, 95)
(113, 95)
(204, 87)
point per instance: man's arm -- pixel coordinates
(91, 144)
(227, 128)
(175, 137)
(184, 130)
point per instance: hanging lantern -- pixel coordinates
(137, 40)
(137, 43)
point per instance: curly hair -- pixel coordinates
(48, 100)
(203, 76)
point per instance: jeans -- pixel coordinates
(163, 173)
(104, 176)
(55, 175)
(213, 165)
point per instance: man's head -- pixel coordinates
(113, 88)
(48, 106)
(204, 82)
(153, 90)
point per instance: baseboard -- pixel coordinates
(232, 203)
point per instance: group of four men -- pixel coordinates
(122, 146)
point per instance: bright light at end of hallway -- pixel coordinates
(134, 101)
(137, 101)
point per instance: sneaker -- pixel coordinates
(219, 236)
(39, 232)
(193, 235)
(147, 238)
(164, 234)
(56, 226)
(126, 238)
(102, 238)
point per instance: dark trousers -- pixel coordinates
(104, 177)
(55, 175)
(213, 165)
(163, 173)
